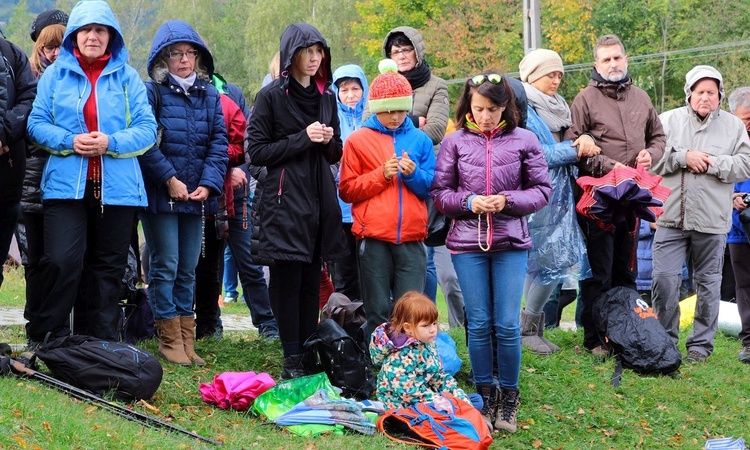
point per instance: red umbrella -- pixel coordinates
(622, 194)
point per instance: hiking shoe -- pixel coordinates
(744, 355)
(507, 410)
(696, 357)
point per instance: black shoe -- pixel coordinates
(293, 367)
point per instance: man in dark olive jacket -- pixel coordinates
(17, 92)
(619, 118)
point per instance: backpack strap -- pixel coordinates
(617, 374)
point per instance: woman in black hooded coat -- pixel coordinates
(294, 133)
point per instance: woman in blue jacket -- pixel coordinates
(184, 174)
(350, 87)
(92, 115)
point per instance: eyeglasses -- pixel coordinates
(493, 78)
(51, 48)
(177, 56)
(401, 51)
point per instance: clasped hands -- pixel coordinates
(319, 133)
(91, 144)
(394, 165)
(488, 203)
(178, 191)
(697, 161)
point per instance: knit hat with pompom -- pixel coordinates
(390, 91)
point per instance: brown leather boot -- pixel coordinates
(187, 325)
(170, 341)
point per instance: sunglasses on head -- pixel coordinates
(493, 78)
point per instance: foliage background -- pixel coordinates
(463, 37)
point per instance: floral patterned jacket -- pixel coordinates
(411, 371)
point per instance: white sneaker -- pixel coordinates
(230, 299)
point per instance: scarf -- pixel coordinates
(419, 75)
(553, 110)
(185, 83)
(472, 125)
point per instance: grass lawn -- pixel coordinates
(567, 402)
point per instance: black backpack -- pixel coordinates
(633, 331)
(344, 361)
(99, 366)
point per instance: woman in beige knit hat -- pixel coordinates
(558, 250)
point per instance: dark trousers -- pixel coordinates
(740, 256)
(9, 212)
(208, 274)
(254, 286)
(613, 263)
(86, 246)
(33, 270)
(294, 292)
(344, 272)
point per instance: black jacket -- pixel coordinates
(296, 215)
(17, 93)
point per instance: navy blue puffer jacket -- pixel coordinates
(194, 144)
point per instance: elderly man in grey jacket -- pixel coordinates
(707, 151)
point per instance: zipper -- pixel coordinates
(281, 187)
(488, 182)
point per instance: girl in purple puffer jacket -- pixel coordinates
(489, 176)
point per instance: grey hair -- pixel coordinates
(606, 41)
(161, 68)
(739, 98)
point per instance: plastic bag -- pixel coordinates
(447, 350)
(235, 390)
(287, 394)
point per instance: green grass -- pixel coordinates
(567, 403)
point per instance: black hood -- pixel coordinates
(303, 35)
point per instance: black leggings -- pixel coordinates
(294, 294)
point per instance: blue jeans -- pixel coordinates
(174, 243)
(492, 285)
(9, 213)
(431, 278)
(230, 275)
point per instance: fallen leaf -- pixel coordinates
(536, 443)
(581, 411)
(46, 426)
(148, 406)
(592, 385)
(531, 370)
(547, 407)
(20, 441)
(575, 371)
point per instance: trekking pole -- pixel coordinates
(135, 416)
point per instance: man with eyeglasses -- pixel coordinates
(612, 114)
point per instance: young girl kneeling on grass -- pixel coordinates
(412, 371)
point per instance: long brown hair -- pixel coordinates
(413, 308)
(50, 35)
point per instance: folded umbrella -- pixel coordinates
(622, 195)
(236, 390)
